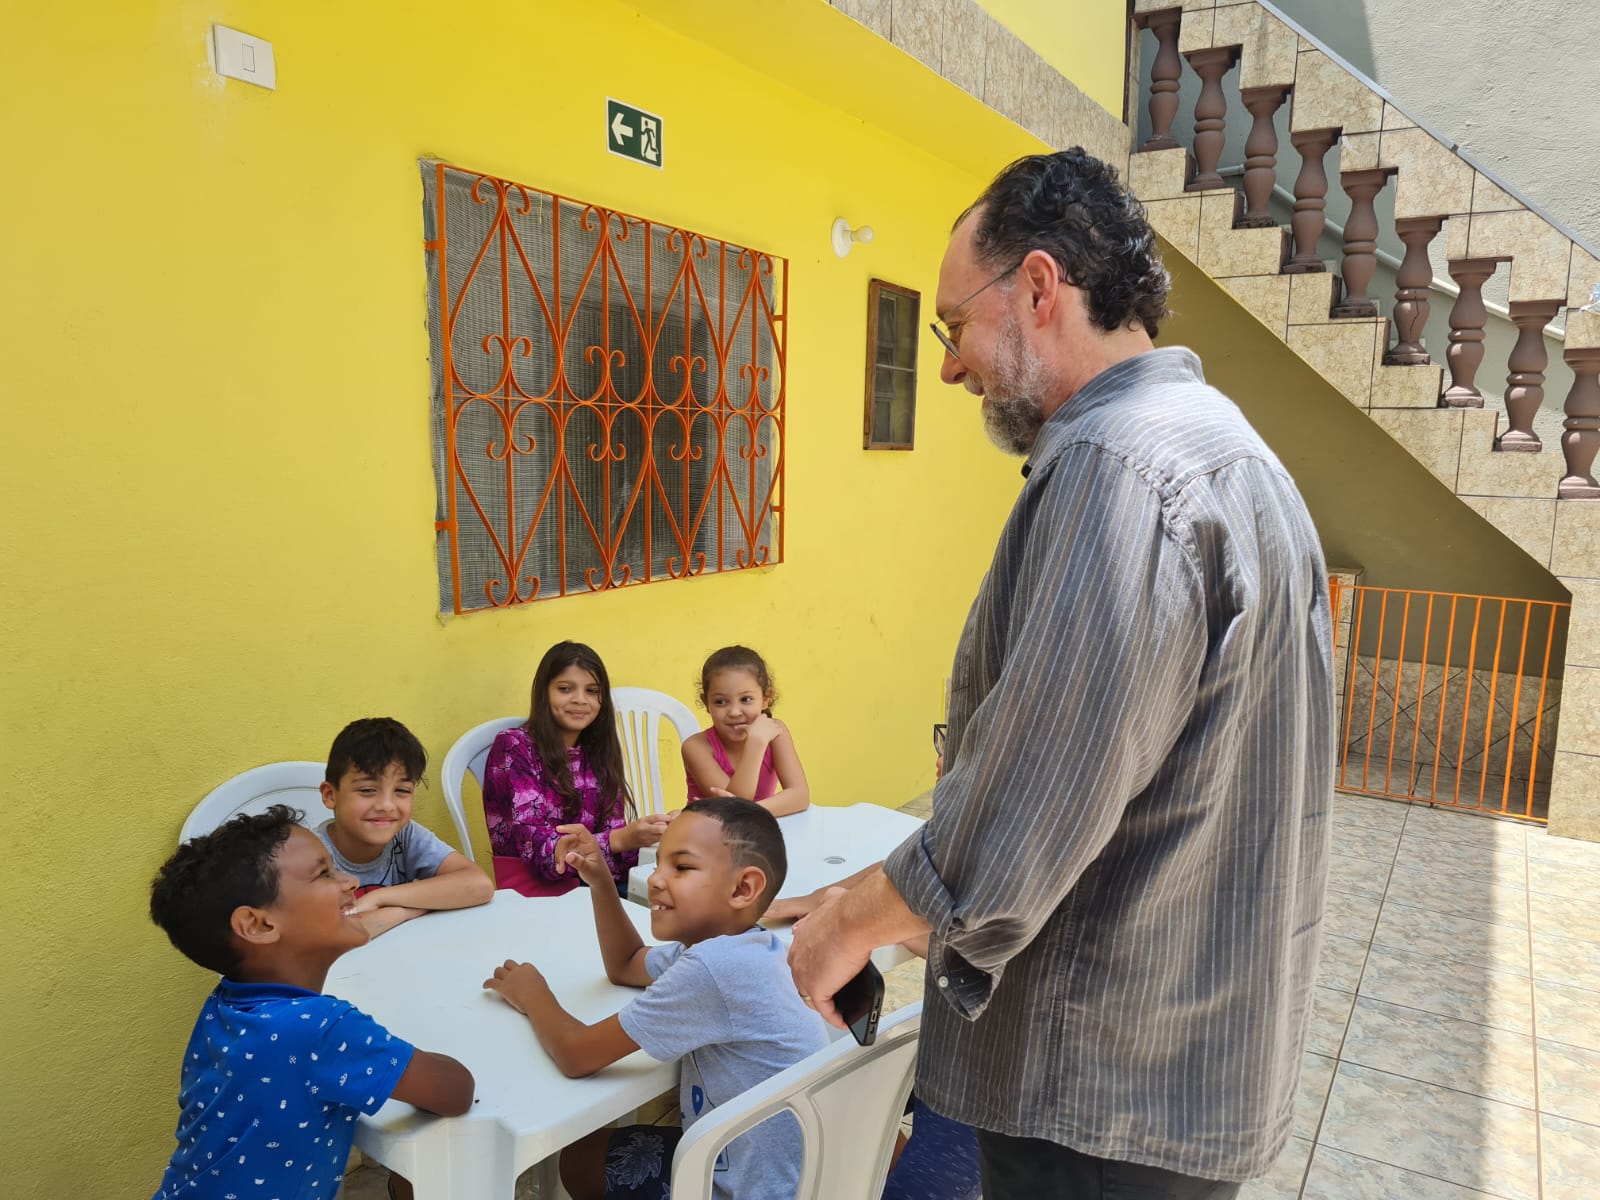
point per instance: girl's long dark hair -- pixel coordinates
(598, 741)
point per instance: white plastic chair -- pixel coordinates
(640, 712)
(296, 784)
(470, 753)
(848, 1100)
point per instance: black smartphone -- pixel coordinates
(860, 1002)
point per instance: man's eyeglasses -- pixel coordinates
(949, 338)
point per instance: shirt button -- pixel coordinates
(944, 981)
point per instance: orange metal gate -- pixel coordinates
(1447, 697)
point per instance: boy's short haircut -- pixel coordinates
(752, 837)
(194, 894)
(370, 745)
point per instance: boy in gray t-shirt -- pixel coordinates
(401, 870)
(718, 995)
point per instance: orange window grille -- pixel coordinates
(608, 395)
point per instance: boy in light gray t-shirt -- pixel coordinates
(728, 1008)
(718, 995)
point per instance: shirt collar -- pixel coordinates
(1171, 364)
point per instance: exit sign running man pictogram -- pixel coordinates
(633, 133)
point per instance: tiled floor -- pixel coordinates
(1455, 1050)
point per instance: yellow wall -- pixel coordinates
(218, 541)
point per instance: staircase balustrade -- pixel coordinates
(1581, 438)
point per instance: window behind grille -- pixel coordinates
(607, 396)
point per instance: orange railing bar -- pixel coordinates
(1424, 606)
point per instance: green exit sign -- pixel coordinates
(633, 133)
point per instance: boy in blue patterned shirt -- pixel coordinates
(275, 1072)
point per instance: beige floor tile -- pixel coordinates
(1283, 1181)
(1337, 1175)
(1342, 960)
(1498, 998)
(1565, 916)
(1567, 1014)
(1350, 915)
(1316, 1077)
(1563, 849)
(1329, 1015)
(1569, 1082)
(1453, 939)
(1367, 810)
(1418, 851)
(1453, 1053)
(1434, 1131)
(1578, 881)
(1459, 896)
(1363, 876)
(1566, 960)
(1360, 841)
(903, 985)
(1571, 1159)
(1448, 825)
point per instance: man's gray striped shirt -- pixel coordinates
(1126, 864)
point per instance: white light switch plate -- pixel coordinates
(240, 56)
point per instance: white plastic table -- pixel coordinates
(424, 981)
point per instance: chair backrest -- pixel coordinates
(470, 753)
(640, 712)
(296, 784)
(848, 1100)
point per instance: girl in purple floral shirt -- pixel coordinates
(560, 772)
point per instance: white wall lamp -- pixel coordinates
(844, 237)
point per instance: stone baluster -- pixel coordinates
(1164, 72)
(1581, 438)
(1411, 297)
(1260, 155)
(1310, 199)
(1466, 332)
(1210, 113)
(1360, 241)
(1525, 383)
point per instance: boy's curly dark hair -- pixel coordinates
(1070, 205)
(194, 894)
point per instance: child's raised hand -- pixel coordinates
(578, 849)
(647, 830)
(518, 984)
(573, 839)
(766, 730)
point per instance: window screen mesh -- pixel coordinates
(607, 396)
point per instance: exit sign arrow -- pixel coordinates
(633, 133)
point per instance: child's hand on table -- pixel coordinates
(518, 984)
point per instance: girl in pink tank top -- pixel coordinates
(746, 751)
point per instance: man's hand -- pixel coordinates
(582, 854)
(823, 957)
(519, 984)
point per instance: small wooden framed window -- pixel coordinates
(893, 319)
